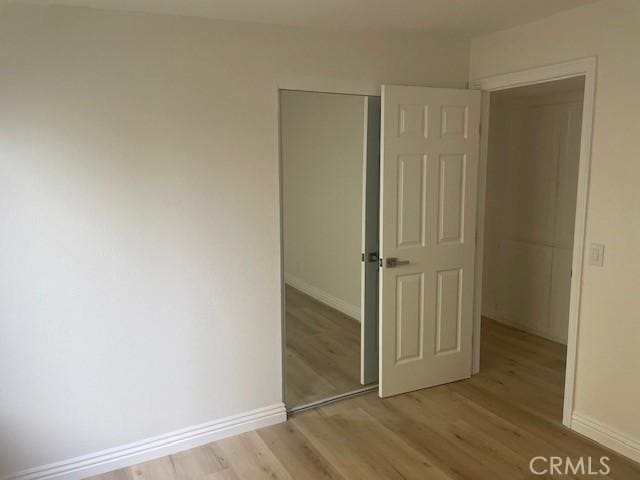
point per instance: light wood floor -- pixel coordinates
(488, 427)
(323, 350)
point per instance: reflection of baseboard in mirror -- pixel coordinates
(322, 172)
(325, 297)
(322, 350)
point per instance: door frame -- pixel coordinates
(576, 68)
(310, 85)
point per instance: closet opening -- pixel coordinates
(330, 164)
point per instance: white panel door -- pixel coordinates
(429, 172)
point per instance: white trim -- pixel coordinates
(524, 328)
(155, 447)
(343, 306)
(582, 67)
(330, 85)
(609, 437)
(280, 277)
(480, 214)
(531, 76)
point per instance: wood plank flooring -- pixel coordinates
(488, 427)
(323, 350)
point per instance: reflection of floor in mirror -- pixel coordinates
(323, 350)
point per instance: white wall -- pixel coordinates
(322, 145)
(532, 173)
(607, 387)
(139, 255)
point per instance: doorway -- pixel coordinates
(583, 68)
(529, 217)
(329, 149)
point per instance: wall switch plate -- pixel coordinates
(596, 255)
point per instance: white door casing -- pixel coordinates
(586, 67)
(428, 196)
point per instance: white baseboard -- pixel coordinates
(343, 306)
(488, 311)
(126, 455)
(519, 326)
(609, 437)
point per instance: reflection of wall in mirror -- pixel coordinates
(322, 157)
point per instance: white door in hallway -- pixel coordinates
(429, 173)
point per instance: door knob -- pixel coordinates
(393, 262)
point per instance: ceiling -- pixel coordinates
(467, 17)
